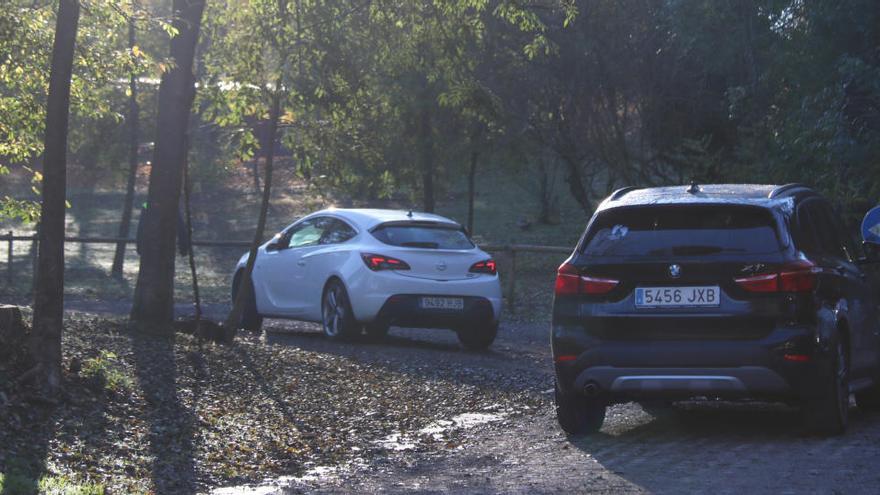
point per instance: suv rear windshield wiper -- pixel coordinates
(421, 244)
(694, 250)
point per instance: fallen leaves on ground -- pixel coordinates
(194, 415)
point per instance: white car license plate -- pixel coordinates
(658, 297)
(455, 303)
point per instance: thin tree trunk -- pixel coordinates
(472, 177)
(187, 190)
(45, 338)
(427, 145)
(245, 287)
(255, 172)
(544, 191)
(154, 293)
(133, 138)
(576, 184)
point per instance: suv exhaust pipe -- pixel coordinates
(592, 389)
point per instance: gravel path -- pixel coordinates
(693, 448)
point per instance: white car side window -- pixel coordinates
(304, 234)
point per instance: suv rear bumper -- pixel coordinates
(685, 382)
(626, 370)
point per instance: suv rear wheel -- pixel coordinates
(577, 414)
(828, 412)
(868, 400)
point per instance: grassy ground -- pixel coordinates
(504, 200)
(15, 483)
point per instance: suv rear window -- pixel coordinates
(692, 230)
(429, 236)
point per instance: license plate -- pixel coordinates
(455, 303)
(657, 297)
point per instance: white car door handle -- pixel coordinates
(301, 263)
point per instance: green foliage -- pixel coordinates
(60, 485)
(106, 370)
(23, 210)
(102, 62)
(358, 77)
(25, 41)
(16, 484)
(619, 92)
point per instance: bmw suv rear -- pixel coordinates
(725, 291)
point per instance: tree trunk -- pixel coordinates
(577, 187)
(45, 338)
(12, 332)
(472, 177)
(544, 191)
(133, 138)
(427, 145)
(245, 287)
(255, 172)
(154, 293)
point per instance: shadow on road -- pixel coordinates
(690, 448)
(310, 337)
(430, 354)
(23, 457)
(171, 422)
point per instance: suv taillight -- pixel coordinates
(570, 281)
(799, 276)
(485, 266)
(378, 262)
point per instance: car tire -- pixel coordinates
(250, 319)
(337, 318)
(868, 400)
(376, 330)
(477, 338)
(578, 415)
(827, 413)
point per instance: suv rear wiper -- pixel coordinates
(429, 245)
(698, 249)
(692, 250)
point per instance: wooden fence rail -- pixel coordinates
(513, 249)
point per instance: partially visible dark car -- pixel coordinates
(719, 291)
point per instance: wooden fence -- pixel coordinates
(513, 249)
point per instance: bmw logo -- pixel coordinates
(441, 267)
(674, 271)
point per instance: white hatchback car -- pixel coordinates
(354, 269)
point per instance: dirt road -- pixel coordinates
(518, 448)
(692, 448)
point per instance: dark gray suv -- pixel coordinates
(721, 291)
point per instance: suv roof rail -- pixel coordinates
(787, 188)
(621, 192)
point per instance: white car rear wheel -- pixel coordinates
(337, 317)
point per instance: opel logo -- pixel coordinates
(674, 271)
(441, 267)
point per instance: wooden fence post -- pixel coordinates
(9, 259)
(511, 296)
(35, 258)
